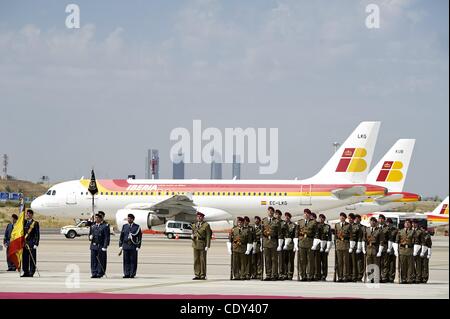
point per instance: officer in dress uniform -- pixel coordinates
(239, 245)
(390, 251)
(384, 241)
(403, 247)
(32, 236)
(248, 256)
(281, 265)
(342, 231)
(289, 254)
(201, 241)
(316, 252)
(373, 249)
(425, 254)
(257, 250)
(354, 238)
(130, 243)
(418, 242)
(360, 255)
(99, 236)
(305, 242)
(7, 239)
(272, 243)
(325, 236)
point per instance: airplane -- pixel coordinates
(439, 216)
(390, 172)
(338, 183)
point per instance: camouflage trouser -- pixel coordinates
(360, 262)
(417, 274)
(406, 268)
(392, 267)
(239, 263)
(384, 265)
(282, 270)
(373, 267)
(306, 263)
(257, 265)
(200, 263)
(271, 261)
(353, 275)
(289, 257)
(323, 265)
(425, 269)
(343, 263)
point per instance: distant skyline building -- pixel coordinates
(152, 164)
(216, 165)
(5, 167)
(236, 169)
(178, 165)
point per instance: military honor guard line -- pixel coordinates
(265, 250)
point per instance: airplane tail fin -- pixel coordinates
(352, 160)
(391, 170)
(442, 208)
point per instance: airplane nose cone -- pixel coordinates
(35, 204)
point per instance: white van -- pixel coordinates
(174, 228)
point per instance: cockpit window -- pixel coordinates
(54, 193)
(49, 192)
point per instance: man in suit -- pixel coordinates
(130, 242)
(32, 236)
(6, 241)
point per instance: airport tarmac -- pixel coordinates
(166, 270)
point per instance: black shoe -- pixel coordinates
(202, 278)
(126, 276)
(94, 276)
(267, 279)
(304, 279)
(25, 275)
(11, 269)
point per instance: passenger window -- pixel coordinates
(54, 193)
(49, 192)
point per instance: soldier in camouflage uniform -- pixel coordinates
(325, 236)
(289, 254)
(373, 249)
(384, 241)
(282, 273)
(342, 233)
(271, 244)
(248, 257)
(257, 250)
(201, 241)
(354, 239)
(238, 244)
(425, 255)
(418, 242)
(306, 243)
(360, 257)
(403, 247)
(390, 251)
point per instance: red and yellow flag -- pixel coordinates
(17, 239)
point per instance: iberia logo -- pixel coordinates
(352, 160)
(391, 172)
(444, 210)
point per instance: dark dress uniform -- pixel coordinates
(360, 263)
(282, 267)
(289, 254)
(256, 253)
(325, 235)
(6, 241)
(384, 259)
(100, 237)
(130, 241)
(306, 232)
(353, 258)
(342, 233)
(29, 256)
(426, 255)
(390, 254)
(248, 258)
(271, 233)
(418, 239)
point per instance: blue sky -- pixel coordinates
(137, 69)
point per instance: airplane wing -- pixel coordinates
(178, 203)
(344, 193)
(389, 198)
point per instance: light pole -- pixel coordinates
(336, 146)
